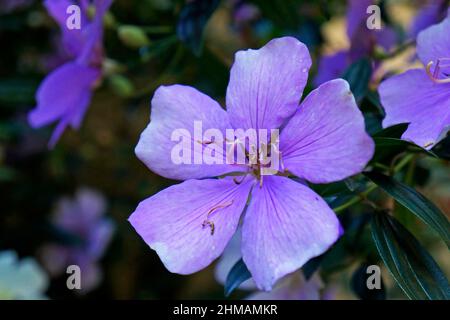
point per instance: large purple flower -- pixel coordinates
(421, 97)
(65, 93)
(362, 42)
(285, 223)
(83, 219)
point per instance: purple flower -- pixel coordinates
(244, 12)
(431, 13)
(285, 223)
(421, 97)
(81, 218)
(362, 39)
(65, 93)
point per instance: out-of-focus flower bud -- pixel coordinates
(121, 85)
(133, 36)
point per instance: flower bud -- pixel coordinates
(133, 36)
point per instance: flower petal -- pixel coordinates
(178, 107)
(173, 222)
(326, 140)
(285, 225)
(331, 67)
(73, 40)
(412, 97)
(428, 15)
(66, 89)
(357, 16)
(230, 256)
(434, 43)
(63, 95)
(99, 238)
(266, 85)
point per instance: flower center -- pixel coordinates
(441, 72)
(262, 161)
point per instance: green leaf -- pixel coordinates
(238, 274)
(358, 76)
(373, 122)
(384, 144)
(392, 132)
(415, 271)
(414, 202)
(442, 149)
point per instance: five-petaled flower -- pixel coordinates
(285, 223)
(421, 97)
(65, 93)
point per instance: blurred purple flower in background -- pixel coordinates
(65, 93)
(244, 12)
(421, 97)
(432, 12)
(82, 219)
(8, 6)
(286, 223)
(362, 39)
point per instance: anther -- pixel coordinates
(434, 77)
(204, 142)
(209, 222)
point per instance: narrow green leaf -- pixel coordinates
(238, 274)
(358, 76)
(414, 202)
(414, 270)
(442, 149)
(395, 143)
(393, 131)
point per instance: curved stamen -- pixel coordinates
(434, 76)
(208, 222)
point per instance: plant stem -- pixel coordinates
(362, 196)
(356, 199)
